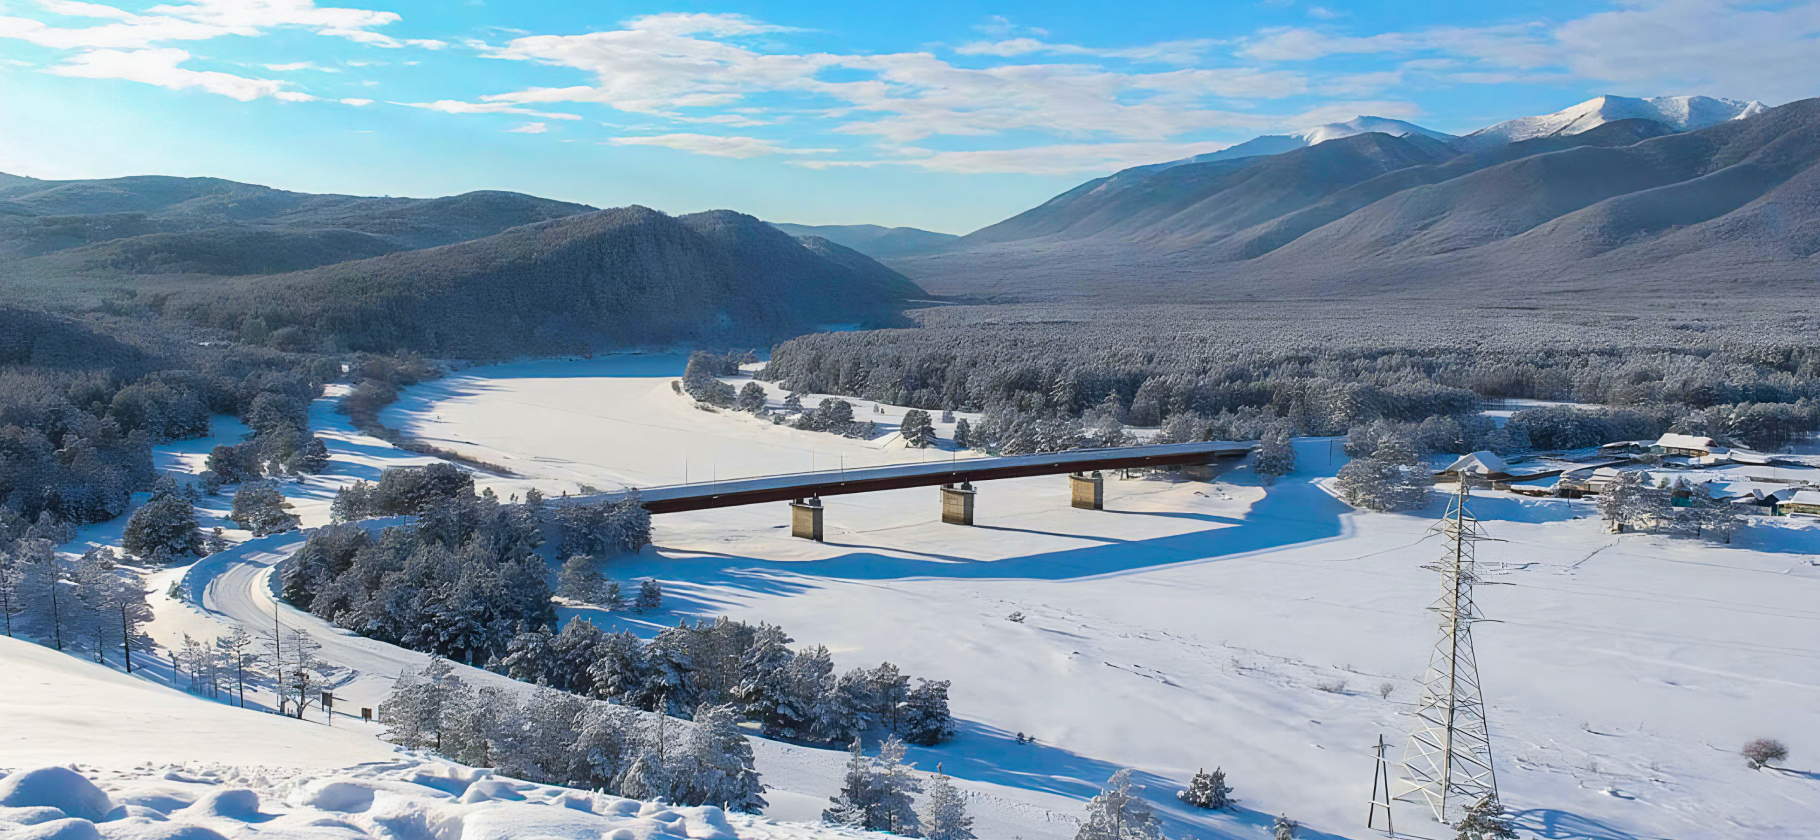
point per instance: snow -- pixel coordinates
(1681, 113)
(1189, 625)
(1276, 144)
(1479, 463)
(1194, 625)
(1680, 441)
(399, 797)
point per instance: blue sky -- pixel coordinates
(942, 115)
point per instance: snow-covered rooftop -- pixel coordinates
(1679, 441)
(1480, 463)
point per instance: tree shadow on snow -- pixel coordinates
(986, 754)
(1551, 824)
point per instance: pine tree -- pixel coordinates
(578, 580)
(650, 595)
(1283, 829)
(751, 398)
(1208, 790)
(945, 817)
(260, 508)
(611, 598)
(12, 580)
(926, 720)
(889, 690)
(1485, 820)
(894, 789)
(1276, 453)
(1118, 814)
(963, 434)
(917, 429)
(720, 760)
(424, 705)
(167, 521)
(854, 802)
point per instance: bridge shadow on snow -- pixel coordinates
(1293, 513)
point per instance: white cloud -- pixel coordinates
(300, 65)
(195, 21)
(1188, 51)
(701, 23)
(160, 67)
(426, 43)
(357, 102)
(651, 69)
(530, 128)
(1298, 44)
(715, 145)
(452, 106)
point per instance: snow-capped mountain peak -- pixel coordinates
(1365, 125)
(1681, 113)
(1276, 144)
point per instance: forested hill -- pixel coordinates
(157, 225)
(613, 277)
(1630, 208)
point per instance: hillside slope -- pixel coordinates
(119, 227)
(614, 277)
(1625, 208)
(876, 241)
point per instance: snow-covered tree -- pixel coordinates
(12, 578)
(917, 429)
(1118, 813)
(767, 688)
(718, 762)
(751, 398)
(612, 598)
(1485, 820)
(963, 434)
(851, 807)
(894, 789)
(890, 688)
(1208, 790)
(1283, 829)
(650, 595)
(1382, 485)
(944, 816)
(261, 509)
(579, 581)
(424, 705)
(1276, 454)
(167, 522)
(926, 720)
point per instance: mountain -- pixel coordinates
(166, 225)
(1680, 113)
(612, 277)
(1194, 202)
(1276, 144)
(1628, 207)
(876, 241)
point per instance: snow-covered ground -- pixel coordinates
(1220, 624)
(1189, 625)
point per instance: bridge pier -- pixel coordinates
(957, 503)
(806, 518)
(1089, 490)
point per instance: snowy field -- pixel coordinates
(1195, 625)
(1189, 625)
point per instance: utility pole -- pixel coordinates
(1447, 763)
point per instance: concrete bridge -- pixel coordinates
(955, 478)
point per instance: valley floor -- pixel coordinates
(1188, 625)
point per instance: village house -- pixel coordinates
(1806, 502)
(1692, 446)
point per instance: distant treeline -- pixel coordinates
(1227, 383)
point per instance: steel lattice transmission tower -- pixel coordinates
(1447, 762)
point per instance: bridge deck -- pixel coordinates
(747, 491)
